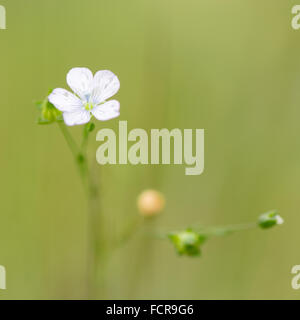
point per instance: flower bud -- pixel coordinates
(88, 128)
(48, 113)
(269, 220)
(187, 242)
(150, 203)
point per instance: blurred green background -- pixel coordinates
(231, 67)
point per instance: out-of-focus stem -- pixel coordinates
(144, 256)
(92, 193)
(223, 231)
(80, 159)
(93, 250)
(70, 141)
(128, 233)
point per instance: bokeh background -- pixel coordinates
(231, 67)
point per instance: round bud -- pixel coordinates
(269, 220)
(187, 242)
(49, 112)
(150, 203)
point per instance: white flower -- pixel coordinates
(91, 93)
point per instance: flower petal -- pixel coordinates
(105, 85)
(64, 100)
(77, 117)
(107, 110)
(80, 80)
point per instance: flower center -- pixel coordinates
(88, 106)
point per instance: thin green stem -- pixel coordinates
(70, 141)
(213, 231)
(226, 230)
(84, 143)
(128, 233)
(77, 154)
(144, 257)
(92, 194)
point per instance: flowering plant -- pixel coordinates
(89, 100)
